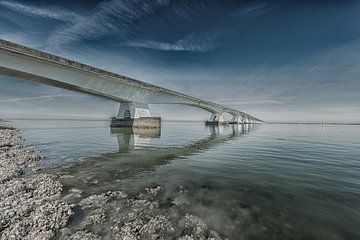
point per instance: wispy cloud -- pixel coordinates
(109, 17)
(123, 19)
(192, 43)
(56, 13)
(255, 9)
(34, 98)
(257, 101)
(19, 37)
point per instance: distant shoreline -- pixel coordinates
(164, 120)
(313, 123)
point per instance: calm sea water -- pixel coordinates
(299, 181)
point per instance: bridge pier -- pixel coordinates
(216, 119)
(244, 120)
(247, 120)
(135, 115)
(235, 119)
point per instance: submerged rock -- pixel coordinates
(98, 200)
(116, 215)
(153, 190)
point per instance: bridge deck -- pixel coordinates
(32, 57)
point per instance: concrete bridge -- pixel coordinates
(133, 95)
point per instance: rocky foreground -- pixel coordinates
(115, 215)
(32, 205)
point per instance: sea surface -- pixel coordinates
(268, 181)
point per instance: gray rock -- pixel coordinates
(31, 207)
(84, 235)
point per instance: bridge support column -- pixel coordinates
(237, 119)
(216, 119)
(135, 115)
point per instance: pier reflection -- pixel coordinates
(129, 138)
(135, 156)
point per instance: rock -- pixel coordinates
(195, 228)
(98, 200)
(153, 190)
(130, 230)
(95, 217)
(84, 235)
(156, 228)
(14, 158)
(31, 207)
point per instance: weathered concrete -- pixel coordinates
(142, 122)
(30, 64)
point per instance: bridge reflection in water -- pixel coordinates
(129, 138)
(136, 155)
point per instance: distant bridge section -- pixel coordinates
(133, 95)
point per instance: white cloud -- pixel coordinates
(250, 101)
(34, 98)
(19, 37)
(53, 13)
(109, 17)
(117, 17)
(192, 43)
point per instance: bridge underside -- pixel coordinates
(133, 95)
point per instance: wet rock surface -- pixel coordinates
(143, 215)
(30, 206)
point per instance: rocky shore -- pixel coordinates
(33, 205)
(30, 204)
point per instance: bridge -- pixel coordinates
(133, 95)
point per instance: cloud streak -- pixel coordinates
(125, 19)
(34, 98)
(191, 43)
(109, 17)
(52, 13)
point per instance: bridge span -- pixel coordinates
(133, 95)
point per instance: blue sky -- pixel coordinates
(277, 60)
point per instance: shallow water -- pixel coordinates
(263, 182)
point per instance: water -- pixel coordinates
(263, 182)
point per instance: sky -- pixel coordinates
(277, 60)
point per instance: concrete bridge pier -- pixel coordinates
(135, 115)
(216, 119)
(237, 119)
(247, 120)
